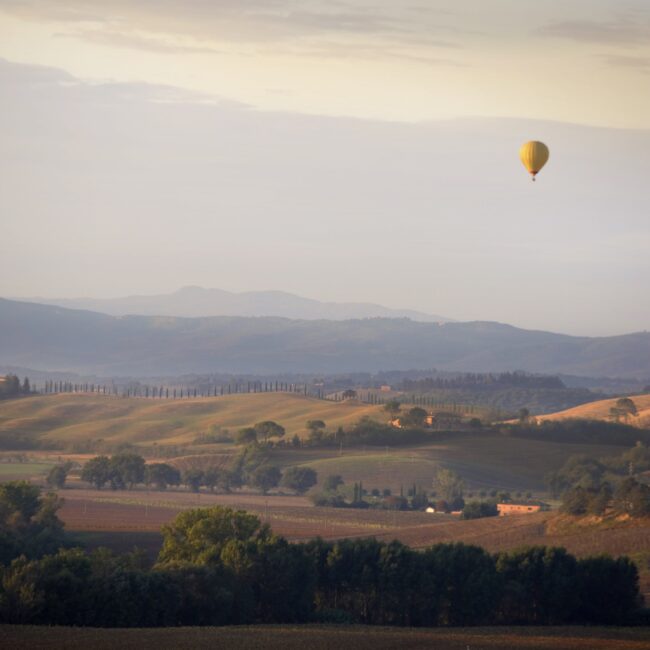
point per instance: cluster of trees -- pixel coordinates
(482, 380)
(623, 410)
(11, 387)
(218, 567)
(370, 432)
(629, 497)
(597, 486)
(126, 470)
(479, 510)
(585, 471)
(333, 497)
(448, 496)
(365, 432)
(262, 432)
(251, 467)
(503, 393)
(28, 522)
(416, 417)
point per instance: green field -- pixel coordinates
(280, 637)
(16, 471)
(484, 461)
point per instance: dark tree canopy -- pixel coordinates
(265, 477)
(299, 479)
(28, 522)
(332, 482)
(479, 509)
(269, 429)
(97, 471)
(246, 436)
(201, 536)
(57, 476)
(161, 475)
(219, 566)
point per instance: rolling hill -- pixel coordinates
(77, 418)
(54, 338)
(80, 422)
(600, 410)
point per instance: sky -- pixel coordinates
(350, 150)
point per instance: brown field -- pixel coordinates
(118, 520)
(327, 638)
(600, 411)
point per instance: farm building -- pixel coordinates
(440, 420)
(506, 509)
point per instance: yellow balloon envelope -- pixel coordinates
(534, 155)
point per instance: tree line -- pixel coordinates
(483, 380)
(577, 431)
(251, 467)
(137, 389)
(218, 566)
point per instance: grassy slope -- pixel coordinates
(483, 461)
(327, 637)
(74, 418)
(600, 411)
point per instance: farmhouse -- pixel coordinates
(439, 420)
(506, 509)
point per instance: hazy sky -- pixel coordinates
(344, 150)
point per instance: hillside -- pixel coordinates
(600, 410)
(46, 337)
(74, 418)
(192, 302)
(78, 422)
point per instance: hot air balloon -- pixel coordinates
(534, 155)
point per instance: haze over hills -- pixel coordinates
(319, 206)
(195, 301)
(50, 337)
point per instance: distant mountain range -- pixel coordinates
(54, 338)
(196, 302)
